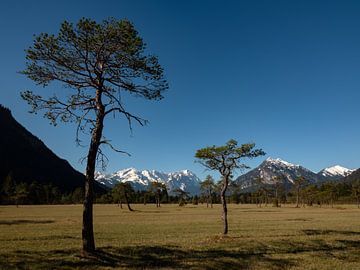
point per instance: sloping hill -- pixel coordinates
(28, 159)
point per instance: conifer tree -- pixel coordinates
(98, 64)
(226, 159)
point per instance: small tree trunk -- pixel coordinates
(127, 202)
(158, 198)
(223, 201)
(297, 197)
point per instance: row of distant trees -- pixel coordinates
(19, 192)
(301, 194)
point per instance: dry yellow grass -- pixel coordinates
(172, 237)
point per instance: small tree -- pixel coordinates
(299, 183)
(355, 187)
(278, 184)
(97, 64)
(21, 193)
(225, 159)
(207, 186)
(182, 194)
(157, 188)
(122, 191)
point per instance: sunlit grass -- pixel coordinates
(49, 237)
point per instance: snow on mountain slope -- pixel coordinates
(140, 180)
(272, 169)
(335, 172)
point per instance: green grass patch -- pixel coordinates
(172, 237)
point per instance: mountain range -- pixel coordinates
(272, 168)
(188, 181)
(141, 180)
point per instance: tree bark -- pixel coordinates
(87, 228)
(223, 201)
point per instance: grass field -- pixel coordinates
(172, 237)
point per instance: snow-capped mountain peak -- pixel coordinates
(141, 180)
(272, 170)
(279, 161)
(336, 170)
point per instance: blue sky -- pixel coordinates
(283, 74)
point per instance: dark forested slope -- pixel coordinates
(26, 158)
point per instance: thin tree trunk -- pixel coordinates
(87, 227)
(297, 197)
(159, 198)
(223, 201)
(127, 202)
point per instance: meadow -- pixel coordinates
(189, 237)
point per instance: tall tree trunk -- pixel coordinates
(87, 227)
(223, 201)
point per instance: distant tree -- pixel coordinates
(234, 189)
(299, 183)
(278, 185)
(21, 193)
(208, 186)
(330, 192)
(310, 193)
(182, 194)
(355, 187)
(195, 200)
(97, 63)
(157, 188)
(78, 195)
(122, 191)
(262, 190)
(225, 159)
(8, 188)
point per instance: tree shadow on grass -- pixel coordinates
(273, 256)
(142, 257)
(24, 221)
(328, 232)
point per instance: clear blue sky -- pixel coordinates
(283, 74)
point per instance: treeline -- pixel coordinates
(18, 192)
(301, 194)
(123, 193)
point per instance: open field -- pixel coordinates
(172, 237)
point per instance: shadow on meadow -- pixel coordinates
(328, 232)
(142, 257)
(25, 221)
(273, 256)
